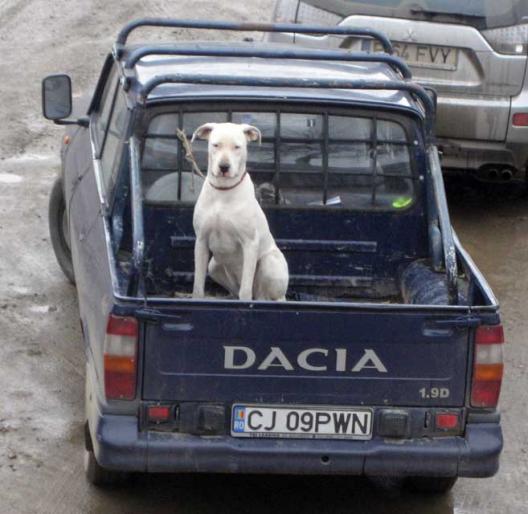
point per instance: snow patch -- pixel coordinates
(30, 157)
(20, 290)
(40, 309)
(9, 178)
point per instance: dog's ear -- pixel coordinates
(203, 132)
(252, 133)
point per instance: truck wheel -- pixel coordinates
(59, 230)
(96, 474)
(430, 485)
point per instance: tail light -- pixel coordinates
(520, 119)
(508, 40)
(120, 358)
(488, 366)
(159, 413)
(446, 420)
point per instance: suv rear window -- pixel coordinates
(306, 159)
(482, 14)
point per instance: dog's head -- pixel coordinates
(227, 147)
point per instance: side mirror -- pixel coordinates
(56, 97)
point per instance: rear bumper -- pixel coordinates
(472, 155)
(485, 137)
(119, 445)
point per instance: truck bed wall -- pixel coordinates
(329, 252)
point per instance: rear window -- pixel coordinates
(306, 159)
(483, 14)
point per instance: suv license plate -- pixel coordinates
(424, 56)
(302, 423)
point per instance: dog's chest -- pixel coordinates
(224, 237)
(227, 231)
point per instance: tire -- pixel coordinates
(430, 485)
(59, 230)
(96, 474)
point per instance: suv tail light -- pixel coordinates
(520, 119)
(508, 40)
(120, 358)
(488, 366)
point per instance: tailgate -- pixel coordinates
(348, 357)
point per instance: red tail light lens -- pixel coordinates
(488, 366)
(520, 119)
(446, 421)
(159, 413)
(489, 334)
(120, 358)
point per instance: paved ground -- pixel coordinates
(41, 357)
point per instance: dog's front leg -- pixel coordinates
(201, 260)
(248, 270)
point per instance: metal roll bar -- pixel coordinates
(228, 80)
(273, 53)
(252, 27)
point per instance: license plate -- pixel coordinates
(424, 56)
(302, 423)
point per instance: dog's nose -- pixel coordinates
(224, 169)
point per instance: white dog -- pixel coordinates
(230, 224)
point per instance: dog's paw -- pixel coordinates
(245, 296)
(198, 294)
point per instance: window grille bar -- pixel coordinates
(326, 130)
(374, 149)
(277, 149)
(180, 155)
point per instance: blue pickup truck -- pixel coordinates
(386, 358)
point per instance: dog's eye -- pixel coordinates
(237, 147)
(216, 145)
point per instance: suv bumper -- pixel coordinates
(493, 141)
(119, 445)
(482, 156)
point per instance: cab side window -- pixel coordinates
(114, 142)
(105, 109)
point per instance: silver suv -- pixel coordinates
(472, 52)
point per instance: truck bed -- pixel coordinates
(333, 255)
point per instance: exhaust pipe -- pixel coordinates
(496, 173)
(493, 174)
